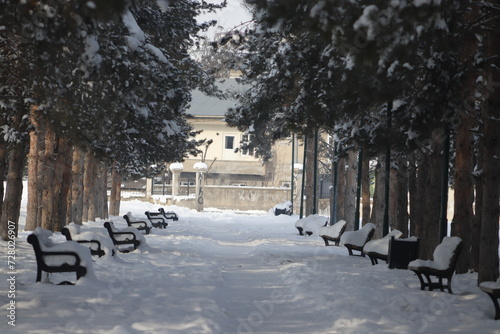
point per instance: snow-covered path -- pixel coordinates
(232, 273)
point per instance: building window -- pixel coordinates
(229, 143)
(246, 139)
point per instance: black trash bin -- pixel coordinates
(402, 252)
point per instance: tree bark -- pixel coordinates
(75, 197)
(378, 197)
(462, 222)
(463, 217)
(3, 168)
(11, 205)
(101, 198)
(476, 221)
(115, 196)
(350, 189)
(398, 214)
(89, 182)
(431, 198)
(13, 193)
(63, 172)
(488, 251)
(365, 188)
(419, 205)
(48, 180)
(35, 171)
(341, 186)
(309, 170)
(412, 191)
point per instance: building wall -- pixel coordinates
(228, 167)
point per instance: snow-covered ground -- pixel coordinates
(234, 272)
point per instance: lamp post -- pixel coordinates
(176, 169)
(200, 168)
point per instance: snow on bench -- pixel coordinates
(333, 232)
(379, 249)
(97, 240)
(356, 240)
(311, 224)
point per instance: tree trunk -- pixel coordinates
(75, 197)
(35, 171)
(101, 198)
(48, 180)
(89, 182)
(419, 207)
(11, 205)
(63, 172)
(365, 188)
(412, 191)
(350, 189)
(398, 214)
(462, 222)
(476, 221)
(378, 197)
(488, 249)
(13, 193)
(309, 170)
(341, 186)
(115, 196)
(3, 167)
(432, 200)
(461, 225)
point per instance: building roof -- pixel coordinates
(212, 106)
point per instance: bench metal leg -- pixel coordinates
(495, 303)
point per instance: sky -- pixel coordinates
(231, 16)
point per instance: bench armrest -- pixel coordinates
(59, 253)
(97, 242)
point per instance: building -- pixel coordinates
(228, 165)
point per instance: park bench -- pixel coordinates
(310, 224)
(283, 209)
(332, 233)
(169, 214)
(356, 240)
(442, 266)
(129, 239)
(156, 219)
(141, 225)
(93, 244)
(58, 258)
(96, 239)
(492, 289)
(379, 249)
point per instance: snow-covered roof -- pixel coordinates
(203, 105)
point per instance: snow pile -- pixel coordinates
(381, 246)
(357, 238)
(442, 255)
(332, 230)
